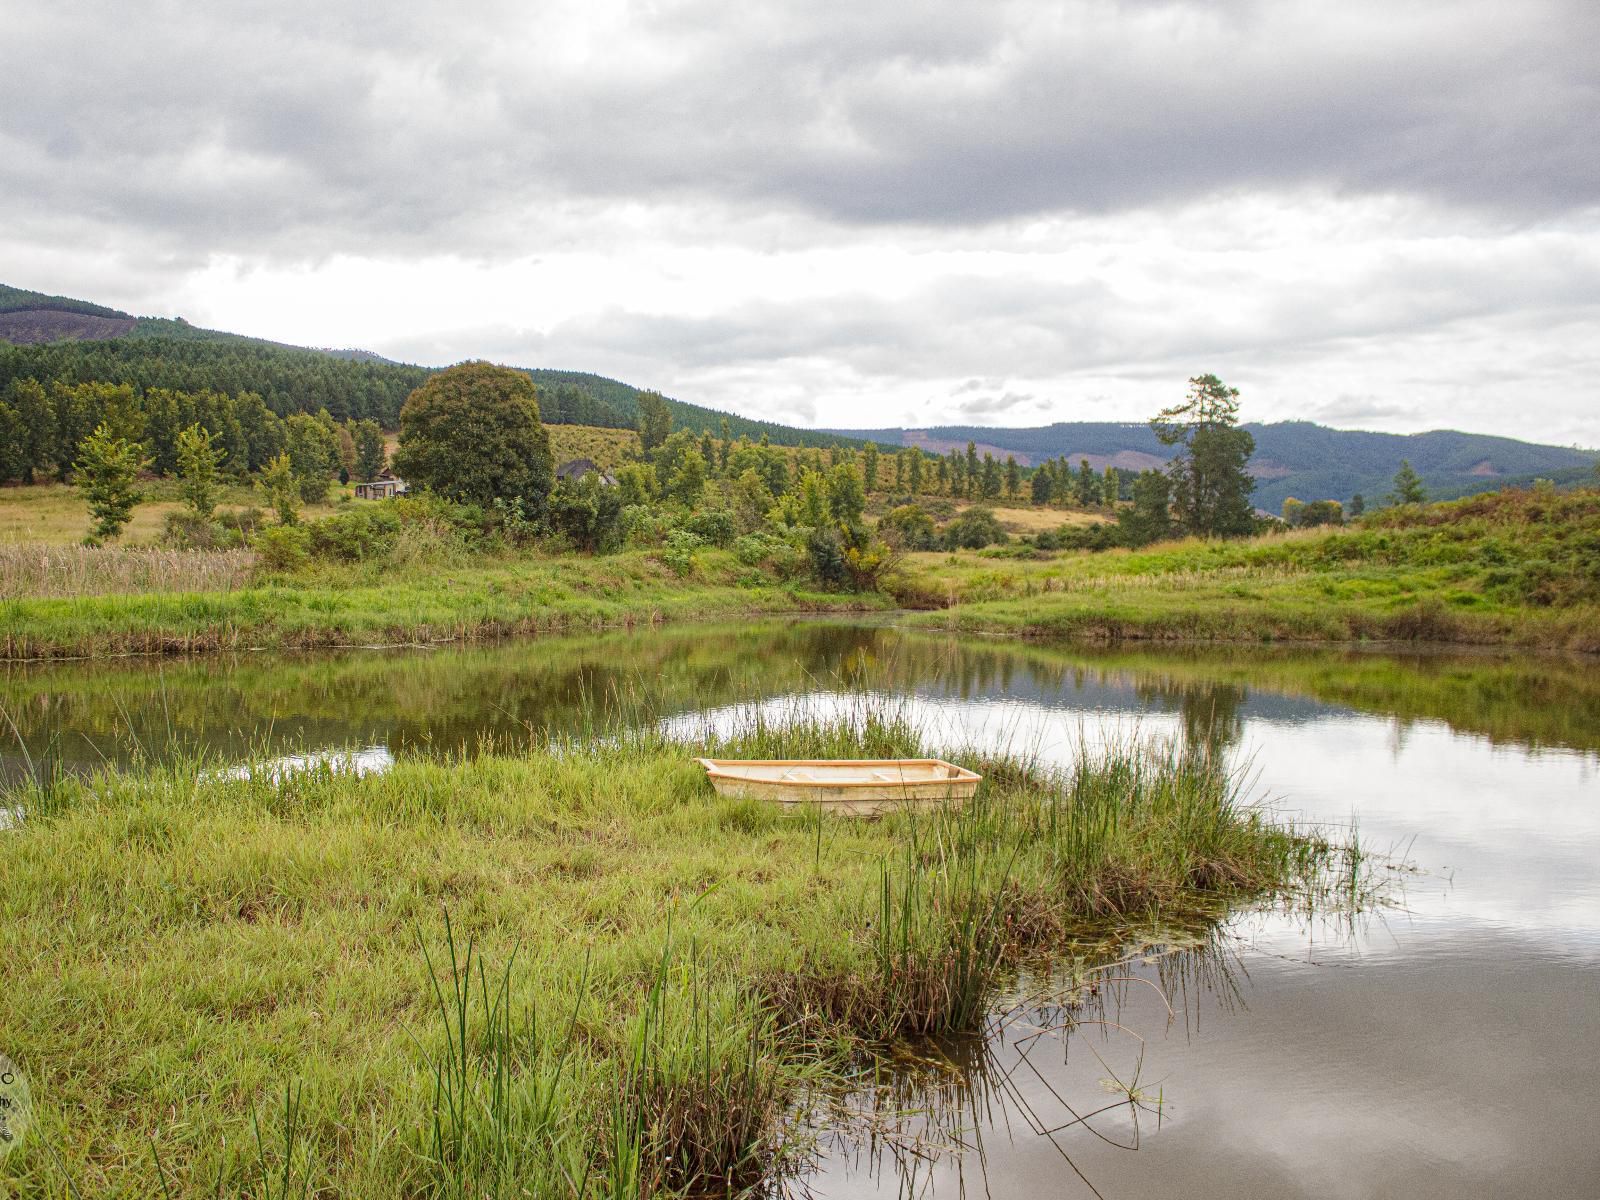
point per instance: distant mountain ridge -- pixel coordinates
(57, 337)
(1293, 458)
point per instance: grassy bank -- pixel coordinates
(1512, 568)
(347, 607)
(637, 981)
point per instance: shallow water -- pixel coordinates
(1448, 1045)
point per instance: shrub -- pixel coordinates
(183, 530)
(679, 552)
(909, 528)
(714, 526)
(354, 535)
(973, 530)
(778, 557)
(643, 525)
(283, 548)
(243, 522)
(586, 512)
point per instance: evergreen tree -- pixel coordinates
(991, 477)
(36, 424)
(869, 466)
(914, 471)
(1210, 484)
(1148, 519)
(1042, 484)
(314, 450)
(282, 490)
(847, 499)
(1408, 487)
(1013, 477)
(1111, 488)
(655, 420)
(1358, 504)
(371, 454)
(197, 471)
(688, 480)
(1088, 485)
(106, 469)
(972, 470)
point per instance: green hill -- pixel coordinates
(1292, 458)
(52, 338)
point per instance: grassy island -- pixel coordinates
(571, 971)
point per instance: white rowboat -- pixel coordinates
(853, 787)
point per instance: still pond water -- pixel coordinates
(1447, 1045)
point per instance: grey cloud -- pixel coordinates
(307, 129)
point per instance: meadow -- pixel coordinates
(557, 970)
(1518, 568)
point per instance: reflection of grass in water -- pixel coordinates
(931, 1102)
(699, 962)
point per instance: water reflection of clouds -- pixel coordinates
(1504, 838)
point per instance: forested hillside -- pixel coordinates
(1292, 458)
(55, 339)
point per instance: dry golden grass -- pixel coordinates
(609, 448)
(1037, 520)
(37, 570)
(54, 514)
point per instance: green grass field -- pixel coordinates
(529, 594)
(637, 982)
(1515, 568)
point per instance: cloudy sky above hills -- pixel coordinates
(1379, 213)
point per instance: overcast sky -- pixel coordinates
(1379, 214)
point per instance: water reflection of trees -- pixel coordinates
(460, 699)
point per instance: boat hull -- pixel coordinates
(849, 787)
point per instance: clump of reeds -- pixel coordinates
(701, 1089)
(37, 570)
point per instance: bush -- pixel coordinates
(1081, 537)
(643, 525)
(354, 535)
(587, 513)
(778, 557)
(283, 548)
(242, 523)
(825, 550)
(183, 530)
(714, 526)
(679, 552)
(973, 530)
(909, 528)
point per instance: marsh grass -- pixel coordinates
(39, 570)
(569, 970)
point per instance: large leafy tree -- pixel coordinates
(1210, 485)
(472, 434)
